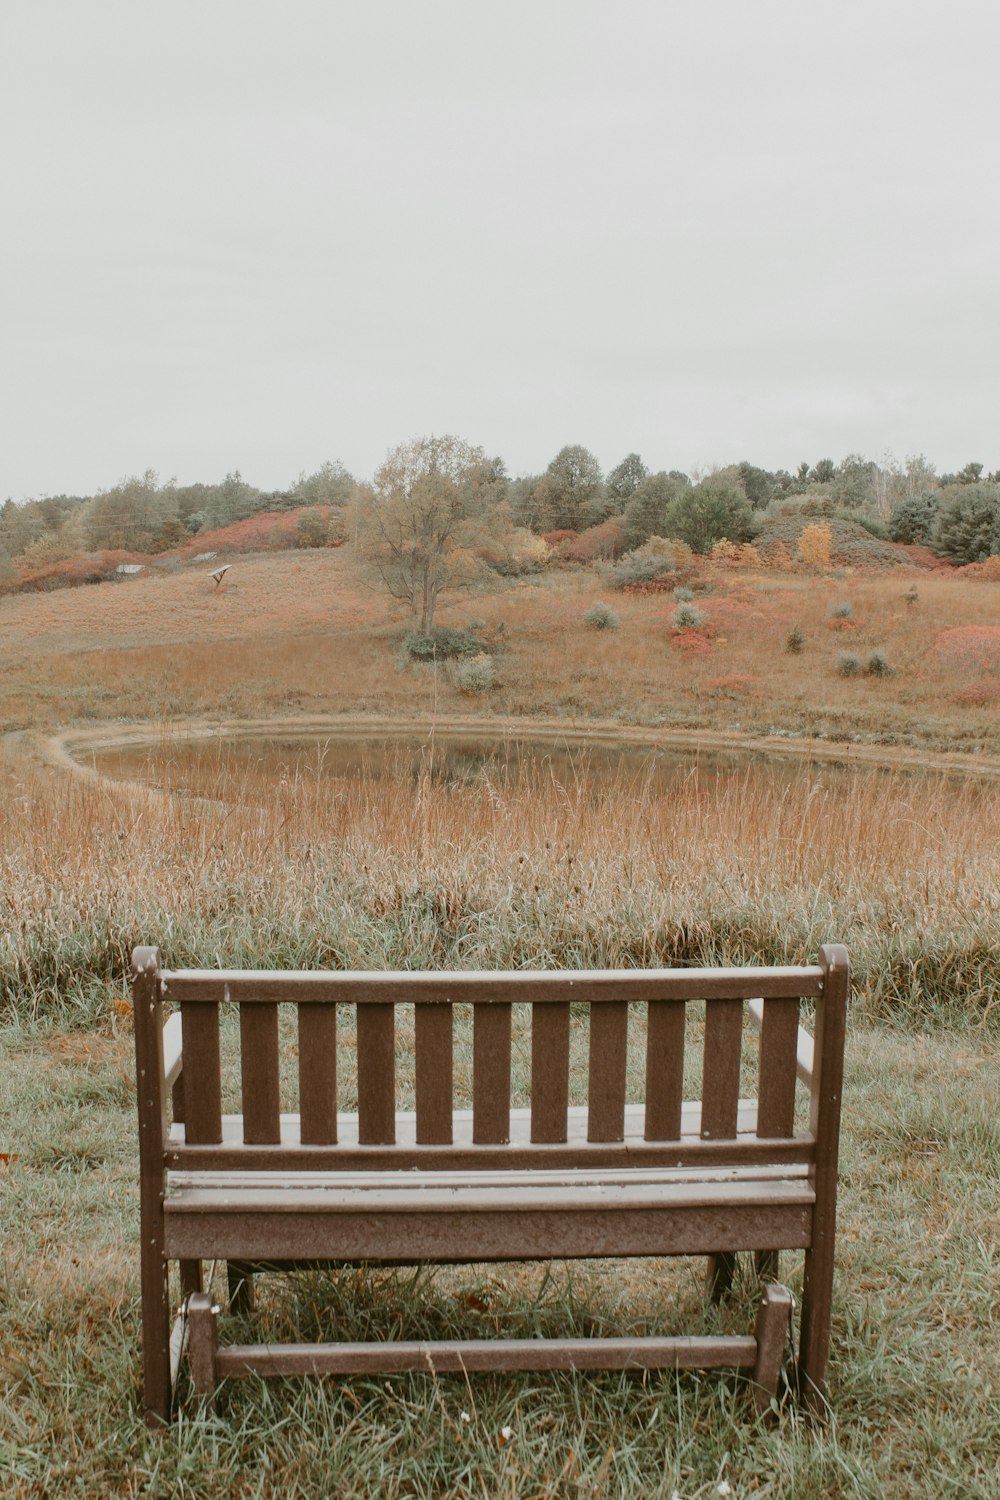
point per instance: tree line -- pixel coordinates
(956, 514)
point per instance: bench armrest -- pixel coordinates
(173, 1059)
(804, 1046)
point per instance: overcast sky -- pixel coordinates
(256, 235)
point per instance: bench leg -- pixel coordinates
(240, 1279)
(203, 1346)
(190, 1277)
(768, 1264)
(771, 1333)
(155, 1335)
(720, 1272)
(814, 1340)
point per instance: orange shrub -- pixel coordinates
(814, 546)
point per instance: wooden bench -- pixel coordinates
(712, 1176)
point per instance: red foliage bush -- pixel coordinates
(267, 531)
(604, 541)
(692, 642)
(970, 646)
(88, 567)
(979, 694)
(733, 684)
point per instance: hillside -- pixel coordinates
(298, 631)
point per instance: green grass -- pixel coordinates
(915, 1342)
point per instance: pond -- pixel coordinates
(231, 768)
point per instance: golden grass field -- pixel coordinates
(751, 865)
(297, 632)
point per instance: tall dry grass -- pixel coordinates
(516, 870)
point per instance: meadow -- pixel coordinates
(525, 870)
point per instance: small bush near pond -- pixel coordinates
(442, 642)
(475, 676)
(848, 665)
(601, 616)
(878, 665)
(687, 617)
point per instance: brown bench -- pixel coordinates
(711, 1176)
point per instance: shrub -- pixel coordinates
(842, 611)
(848, 665)
(967, 523)
(912, 520)
(795, 640)
(597, 542)
(644, 565)
(687, 617)
(911, 596)
(601, 616)
(878, 664)
(682, 595)
(442, 642)
(310, 528)
(475, 676)
(814, 546)
(708, 511)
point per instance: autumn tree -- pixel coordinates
(624, 480)
(569, 494)
(707, 511)
(429, 504)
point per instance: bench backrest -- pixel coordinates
(601, 998)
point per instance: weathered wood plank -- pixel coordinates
(549, 1072)
(461, 1236)
(608, 1057)
(152, 1108)
(376, 1075)
(483, 987)
(776, 1084)
(804, 1046)
(771, 1336)
(664, 1071)
(828, 1082)
(491, 1042)
(259, 1073)
(720, 1090)
(440, 1356)
(202, 1075)
(433, 1043)
(318, 1074)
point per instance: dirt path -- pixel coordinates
(63, 750)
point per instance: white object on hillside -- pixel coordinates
(220, 573)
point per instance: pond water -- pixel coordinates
(227, 768)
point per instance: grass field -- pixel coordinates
(533, 871)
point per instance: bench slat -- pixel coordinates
(376, 1075)
(491, 1029)
(364, 988)
(259, 1072)
(664, 1071)
(608, 1057)
(549, 1072)
(318, 1074)
(202, 1076)
(433, 1045)
(776, 1089)
(720, 1091)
